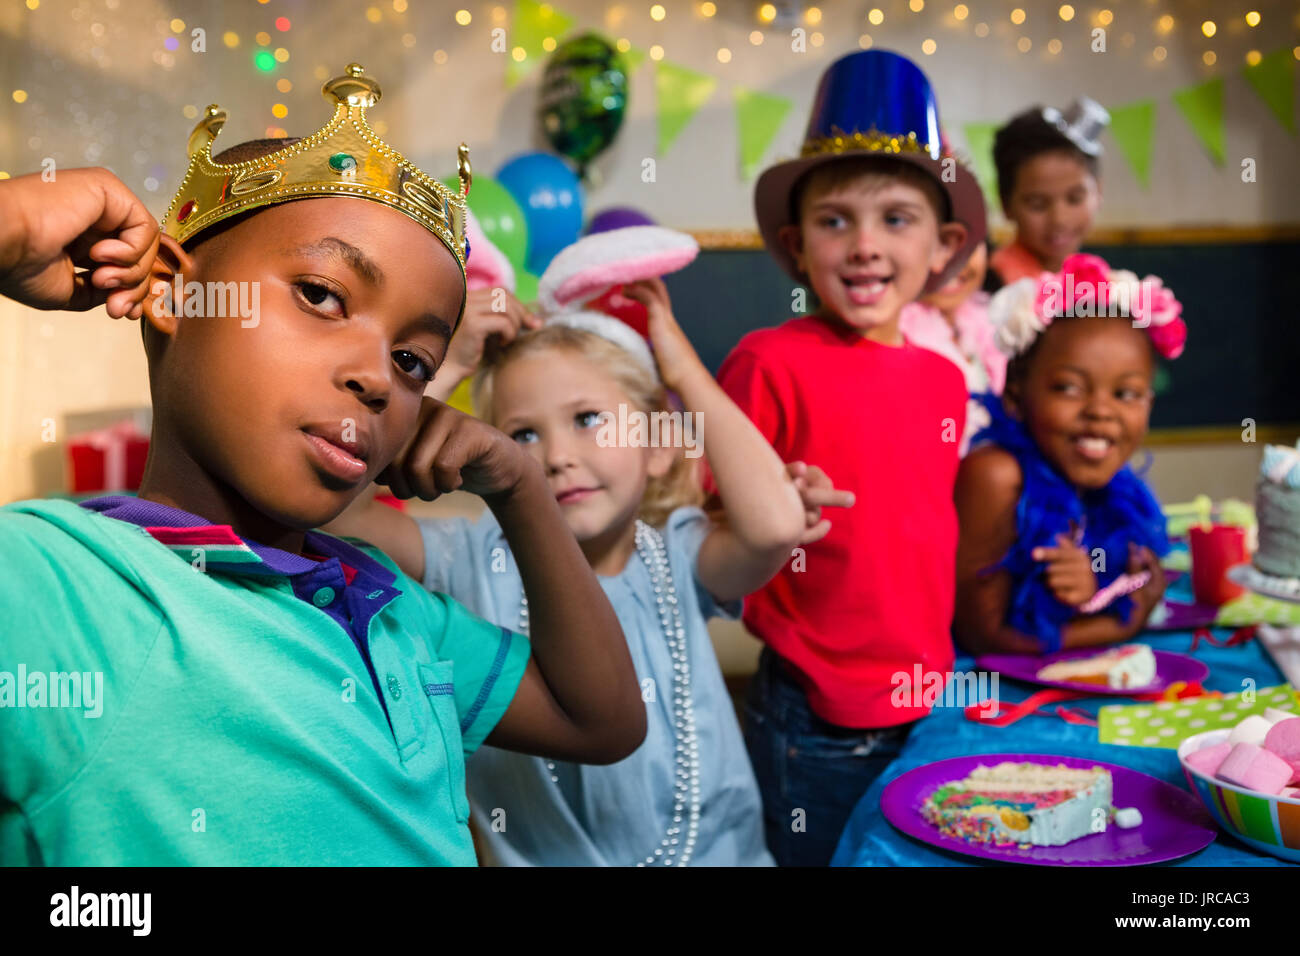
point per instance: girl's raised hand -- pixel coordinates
(1069, 571)
(489, 314)
(816, 491)
(453, 451)
(673, 352)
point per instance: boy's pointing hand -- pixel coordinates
(816, 491)
(77, 241)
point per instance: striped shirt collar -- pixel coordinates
(189, 536)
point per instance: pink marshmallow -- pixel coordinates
(1283, 739)
(1291, 792)
(1255, 769)
(1208, 759)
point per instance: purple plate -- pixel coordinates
(1170, 667)
(1174, 823)
(1179, 610)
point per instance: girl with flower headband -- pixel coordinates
(688, 795)
(1060, 539)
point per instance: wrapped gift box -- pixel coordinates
(107, 459)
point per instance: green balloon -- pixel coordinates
(525, 286)
(583, 97)
(498, 215)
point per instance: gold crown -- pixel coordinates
(343, 158)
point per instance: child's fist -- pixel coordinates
(452, 451)
(816, 492)
(490, 314)
(76, 241)
(1149, 595)
(673, 352)
(1069, 571)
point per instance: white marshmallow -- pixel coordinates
(1273, 715)
(1128, 817)
(1252, 730)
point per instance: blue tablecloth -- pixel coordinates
(869, 840)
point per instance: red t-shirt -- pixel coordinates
(874, 598)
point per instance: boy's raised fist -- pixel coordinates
(76, 241)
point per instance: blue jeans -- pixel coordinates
(811, 774)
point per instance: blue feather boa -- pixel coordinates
(1123, 511)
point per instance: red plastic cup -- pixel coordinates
(1215, 548)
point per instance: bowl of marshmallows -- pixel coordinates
(1248, 777)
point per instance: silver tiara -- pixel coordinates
(1081, 123)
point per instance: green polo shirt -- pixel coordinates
(200, 712)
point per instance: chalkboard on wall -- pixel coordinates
(1243, 342)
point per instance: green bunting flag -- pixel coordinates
(979, 144)
(758, 118)
(1202, 107)
(1133, 126)
(681, 92)
(1273, 79)
(530, 25)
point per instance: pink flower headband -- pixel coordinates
(1086, 286)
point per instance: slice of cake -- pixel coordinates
(1128, 665)
(1277, 509)
(1023, 803)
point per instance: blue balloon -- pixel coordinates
(551, 198)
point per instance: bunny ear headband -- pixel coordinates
(586, 277)
(1085, 286)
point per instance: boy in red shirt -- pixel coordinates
(874, 214)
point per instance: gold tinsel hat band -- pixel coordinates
(343, 158)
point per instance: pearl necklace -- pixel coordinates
(686, 785)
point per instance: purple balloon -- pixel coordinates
(617, 217)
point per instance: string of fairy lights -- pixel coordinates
(627, 23)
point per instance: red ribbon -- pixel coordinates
(1242, 635)
(1010, 713)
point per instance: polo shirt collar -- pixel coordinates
(183, 532)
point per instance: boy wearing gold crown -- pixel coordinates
(872, 215)
(252, 691)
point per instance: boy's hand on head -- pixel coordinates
(673, 352)
(82, 219)
(1069, 571)
(816, 492)
(452, 451)
(490, 314)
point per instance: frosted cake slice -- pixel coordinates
(1129, 665)
(1023, 803)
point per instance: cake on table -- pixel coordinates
(1022, 804)
(1128, 665)
(1277, 509)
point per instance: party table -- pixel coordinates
(869, 839)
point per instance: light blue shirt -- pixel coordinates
(613, 815)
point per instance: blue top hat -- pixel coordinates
(873, 103)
